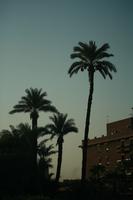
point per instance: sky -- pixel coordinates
(36, 40)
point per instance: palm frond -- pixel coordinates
(102, 72)
(84, 45)
(77, 49)
(103, 55)
(109, 65)
(80, 56)
(74, 55)
(110, 75)
(43, 101)
(105, 68)
(17, 111)
(75, 71)
(75, 65)
(48, 108)
(50, 129)
(102, 49)
(43, 143)
(72, 130)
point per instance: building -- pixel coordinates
(111, 149)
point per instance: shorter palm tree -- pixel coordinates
(60, 127)
(34, 102)
(45, 161)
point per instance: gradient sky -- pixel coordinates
(36, 40)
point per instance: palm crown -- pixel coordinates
(91, 59)
(33, 102)
(60, 126)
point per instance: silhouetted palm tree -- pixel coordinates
(34, 102)
(44, 153)
(60, 127)
(91, 59)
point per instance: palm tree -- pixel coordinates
(91, 59)
(34, 102)
(60, 127)
(44, 153)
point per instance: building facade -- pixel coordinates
(111, 149)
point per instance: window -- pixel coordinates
(107, 149)
(99, 163)
(127, 159)
(99, 160)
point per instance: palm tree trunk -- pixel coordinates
(60, 149)
(34, 155)
(87, 125)
(34, 123)
(34, 127)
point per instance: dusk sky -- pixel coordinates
(36, 40)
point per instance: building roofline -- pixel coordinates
(120, 120)
(105, 139)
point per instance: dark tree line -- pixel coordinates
(30, 160)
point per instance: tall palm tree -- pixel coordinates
(92, 59)
(34, 102)
(60, 127)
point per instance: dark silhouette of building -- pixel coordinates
(111, 149)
